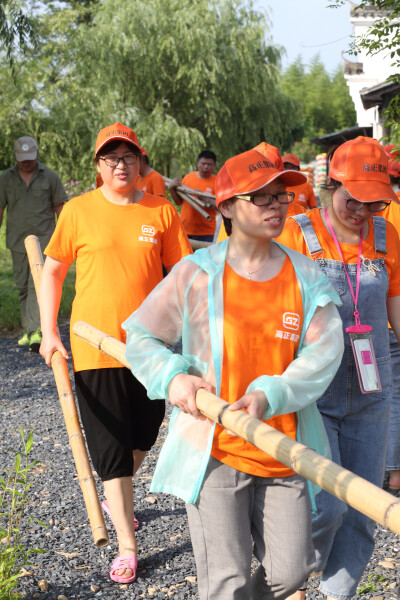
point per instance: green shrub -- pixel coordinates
(10, 317)
(14, 500)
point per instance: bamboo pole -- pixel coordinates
(190, 200)
(345, 485)
(184, 188)
(67, 401)
(197, 244)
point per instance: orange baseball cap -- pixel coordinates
(251, 171)
(361, 165)
(116, 132)
(292, 159)
(393, 160)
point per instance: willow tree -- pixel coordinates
(185, 75)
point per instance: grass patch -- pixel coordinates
(10, 318)
(371, 585)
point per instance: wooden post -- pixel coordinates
(345, 485)
(67, 401)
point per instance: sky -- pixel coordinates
(308, 27)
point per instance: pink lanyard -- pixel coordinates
(355, 297)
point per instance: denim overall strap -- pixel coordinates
(310, 237)
(380, 234)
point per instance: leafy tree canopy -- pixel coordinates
(184, 75)
(323, 102)
(16, 30)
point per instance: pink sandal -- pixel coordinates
(127, 561)
(106, 509)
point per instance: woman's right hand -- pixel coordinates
(50, 344)
(182, 393)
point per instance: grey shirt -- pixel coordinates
(30, 209)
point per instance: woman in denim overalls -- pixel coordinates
(356, 422)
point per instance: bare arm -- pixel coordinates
(53, 275)
(172, 188)
(58, 208)
(393, 306)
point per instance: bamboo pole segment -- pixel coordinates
(74, 431)
(197, 244)
(190, 200)
(345, 485)
(184, 188)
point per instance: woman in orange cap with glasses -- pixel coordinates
(259, 327)
(359, 252)
(120, 238)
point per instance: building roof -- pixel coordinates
(376, 94)
(339, 137)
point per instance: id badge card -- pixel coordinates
(364, 356)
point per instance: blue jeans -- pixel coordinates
(393, 452)
(356, 425)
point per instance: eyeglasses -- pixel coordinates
(267, 199)
(113, 161)
(352, 204)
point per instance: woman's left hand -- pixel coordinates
(254, 402)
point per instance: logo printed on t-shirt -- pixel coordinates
(148, 233)
(148, 230)
(291, 321)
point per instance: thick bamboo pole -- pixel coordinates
(345, 485)
(67, 401)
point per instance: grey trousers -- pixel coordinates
(235, 510)
(30, 318)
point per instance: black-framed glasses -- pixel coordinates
(353, 204)
(113, 161)
(267, 199)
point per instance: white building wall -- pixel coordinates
(376, 69)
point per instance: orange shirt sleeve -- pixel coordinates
(158, 184)
(292, 237)
(62, 245)
(175, 241)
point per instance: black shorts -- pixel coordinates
(117, 417)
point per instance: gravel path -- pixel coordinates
(72, 567)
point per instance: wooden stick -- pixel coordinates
(67, 401)
(365, 497)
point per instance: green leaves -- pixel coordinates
(184, 75)
(14, 499)
(323, 100)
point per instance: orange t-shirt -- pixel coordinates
(392, 214)
(293, 238)
(295, 209)
(153, 184)
(304, 195)
(192, 221)
(222, 235)
(119, 252)
(257, 342)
